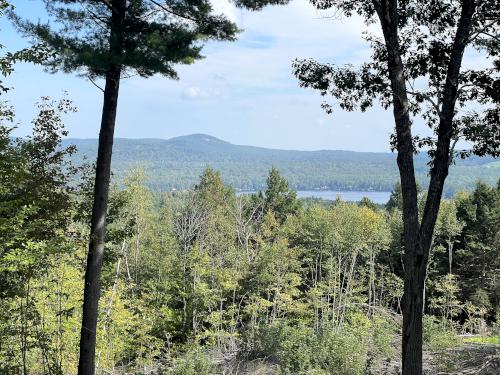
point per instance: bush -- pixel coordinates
(289, 346)
(302, 351)
(342, 352)
(194, 362)
(383, 334)
(439, 335)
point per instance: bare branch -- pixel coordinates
(428, 98)
(163, 7)
(95, 84)
(474, 35)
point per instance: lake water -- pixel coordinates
(380, 197)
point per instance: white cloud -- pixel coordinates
(200, 93)
(243, 91)
(226, 8)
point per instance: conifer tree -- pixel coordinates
(278, 197)
(109, 39)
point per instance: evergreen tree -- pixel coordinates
(211, 191)
(278, 197)
(367, 202)
(478, 250)
(110, 39)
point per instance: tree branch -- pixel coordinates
(482, 30)
(163, 7)
(428, 98)
(441, 161)
(95, 84)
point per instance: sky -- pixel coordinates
(243, 92)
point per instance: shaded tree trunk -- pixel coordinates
(418, 235)
(86, 364)
(450, 254)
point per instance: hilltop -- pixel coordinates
(176, 163)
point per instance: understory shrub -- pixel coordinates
(300, 350)
(194, 362)
(439, 335)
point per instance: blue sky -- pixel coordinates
(243, 92)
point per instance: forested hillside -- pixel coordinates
(207, 282)
(195, 256)
(176, 164)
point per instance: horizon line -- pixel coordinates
(229, 143)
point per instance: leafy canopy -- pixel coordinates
(278, 197)
(152, 36)
(426, 36)
(35, 194)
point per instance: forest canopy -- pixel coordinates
(167, 269)
(207, 280)
(177, 163)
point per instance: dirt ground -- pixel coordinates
(468, 359)
(477, 359)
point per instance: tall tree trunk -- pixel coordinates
(450, 254)
(86, 365)
(418, 235)
(412, 308)
(413, 282)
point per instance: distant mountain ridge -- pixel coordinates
(176, 163)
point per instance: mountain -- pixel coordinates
(177, 163)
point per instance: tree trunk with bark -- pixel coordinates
(418, 234)
(98, 226)
(86, 364)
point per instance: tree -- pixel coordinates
(396, 199)
(278, 197)
(34, 194)
(35, 215)
(478, 249)
(448, 227)
(367, 202)
(416, 68)
(109, 39)
(211, 191)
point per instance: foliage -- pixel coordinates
(194, 362)
(479, 244)
(83, 40)
(196, 276)
(313, 289)
(35, 196)
(495, 340)
(425, 46)
(300, 350)
(416, 69)
(35, 54)
(438, 335)
(278, 197)
(246, 168)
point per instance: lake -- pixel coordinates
(380, 197)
